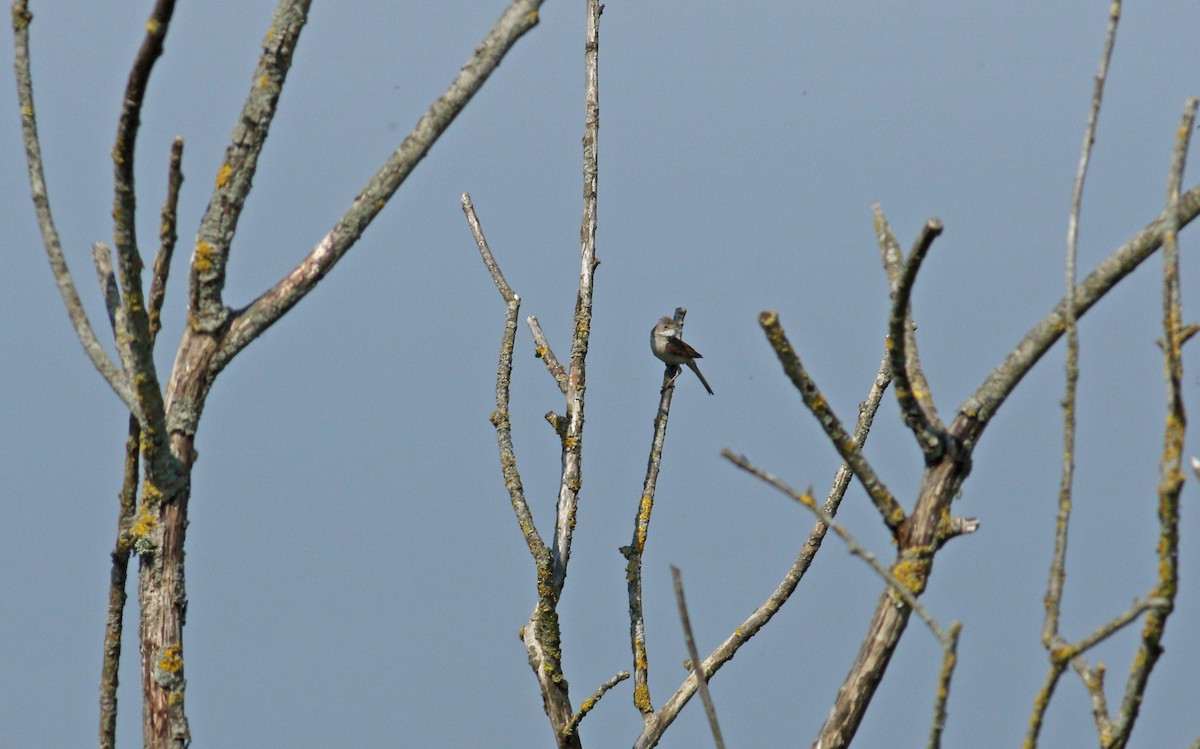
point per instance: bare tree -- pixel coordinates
(164, 418)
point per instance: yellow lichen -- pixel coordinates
(223, 174)
(20, 18)
(172, 659)
(144, 525)
(911, 574)
(202, 260)
(641, 697)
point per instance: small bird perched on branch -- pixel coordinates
(670, 348)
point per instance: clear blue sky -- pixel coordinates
(355, 574)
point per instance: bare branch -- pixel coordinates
(114, 622)
(890, 253)
(248, 324)
(710, 710)
(500, 417)
(637, 547)
(167, 236)
(124, 193)
(236, 173)
(947, 638)
(942, 692)
(1054, 588)
(893, 264)
(102, 259)
(1170, 465)
(485, 251)
(975, 413)
(136, 346)
(543, 351)
(590, 703)
(900, 589)
(1093, 681)
(658, 723)
(893, 515)
(572, 454)
(932, 439)
(1063, 653)
(541, 635)
(116, 379)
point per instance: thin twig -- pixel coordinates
(542, 350)
(1093, 681)
(890, 253)
(167, 236)
(893, 515)
(805, 498)
(892, 258)
(116, 379)
(590, 703)
(248, 324)
(689, 640)
(932, 439)
(485, 251)
(942, 691)
(1054, 588)
(102, 259)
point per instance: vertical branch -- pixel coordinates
(572, 454)
(893, 264)
(114, 622)
(167, 235)
(137, 321)
(637, 547)
(102, 259)
(541, 635)
(931, 438)
(236, 173)
(1054, 588)
(500, 418)
(1171, 464)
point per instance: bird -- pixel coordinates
(670, 348)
